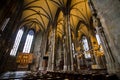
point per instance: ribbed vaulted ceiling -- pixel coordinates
(41, 14)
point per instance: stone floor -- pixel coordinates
(56, 75)
(17, 75)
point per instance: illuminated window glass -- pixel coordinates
(98, 39)
(28, 42)
(99, 42)
(17, 42)
(85, 44)
(86, 47)
(5, 24)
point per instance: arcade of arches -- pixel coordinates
(60, 35)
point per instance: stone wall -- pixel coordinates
(109, 13)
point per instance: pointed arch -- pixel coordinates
(85, 47)
(17, 42)
(28, 42)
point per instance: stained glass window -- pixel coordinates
(86, 47)
(28, 42)
(98, 39)
(17, 42)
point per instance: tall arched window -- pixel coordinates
(28, 42)
(5, 24)
(99, 42)
(86, 47)
(98, 39)
(17, 42)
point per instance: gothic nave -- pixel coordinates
(60, 39)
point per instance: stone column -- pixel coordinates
(68, 43)
(51, 51)
(109, 17)
(96, 23)
(49, 67)
(36, 52)
(65, 67)
(78, 62)
(58, 55)
(65, 56)
(53, 48)
(111, 65)
(43, 50)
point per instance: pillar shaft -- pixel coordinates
(53, 49)
(68, 56)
